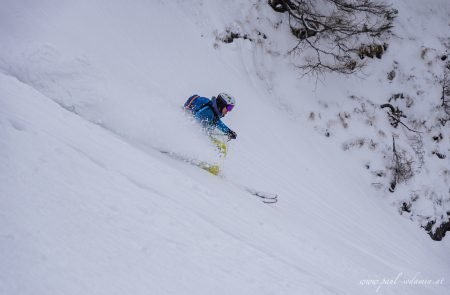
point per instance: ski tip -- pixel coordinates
(274, 201)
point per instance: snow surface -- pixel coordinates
(89, 91)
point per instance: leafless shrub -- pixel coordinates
(359, 143)
(338, 31)
(445, 98)
(400, 96)
(391, 75)
(416, 143)
(342, 117)
(395, 115)
(402, 167)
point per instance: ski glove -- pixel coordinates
(232, 135)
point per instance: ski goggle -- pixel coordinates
(230, 107)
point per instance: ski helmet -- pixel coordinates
(226, 100)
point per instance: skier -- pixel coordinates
(209, 112)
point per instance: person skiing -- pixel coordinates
(210, 111)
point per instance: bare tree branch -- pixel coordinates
(394, 116)
(338, 31)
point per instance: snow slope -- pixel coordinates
(409, 76)
(90, 91)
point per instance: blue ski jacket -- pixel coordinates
(206, 112)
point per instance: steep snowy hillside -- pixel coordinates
(393, 116)
(89, 92)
